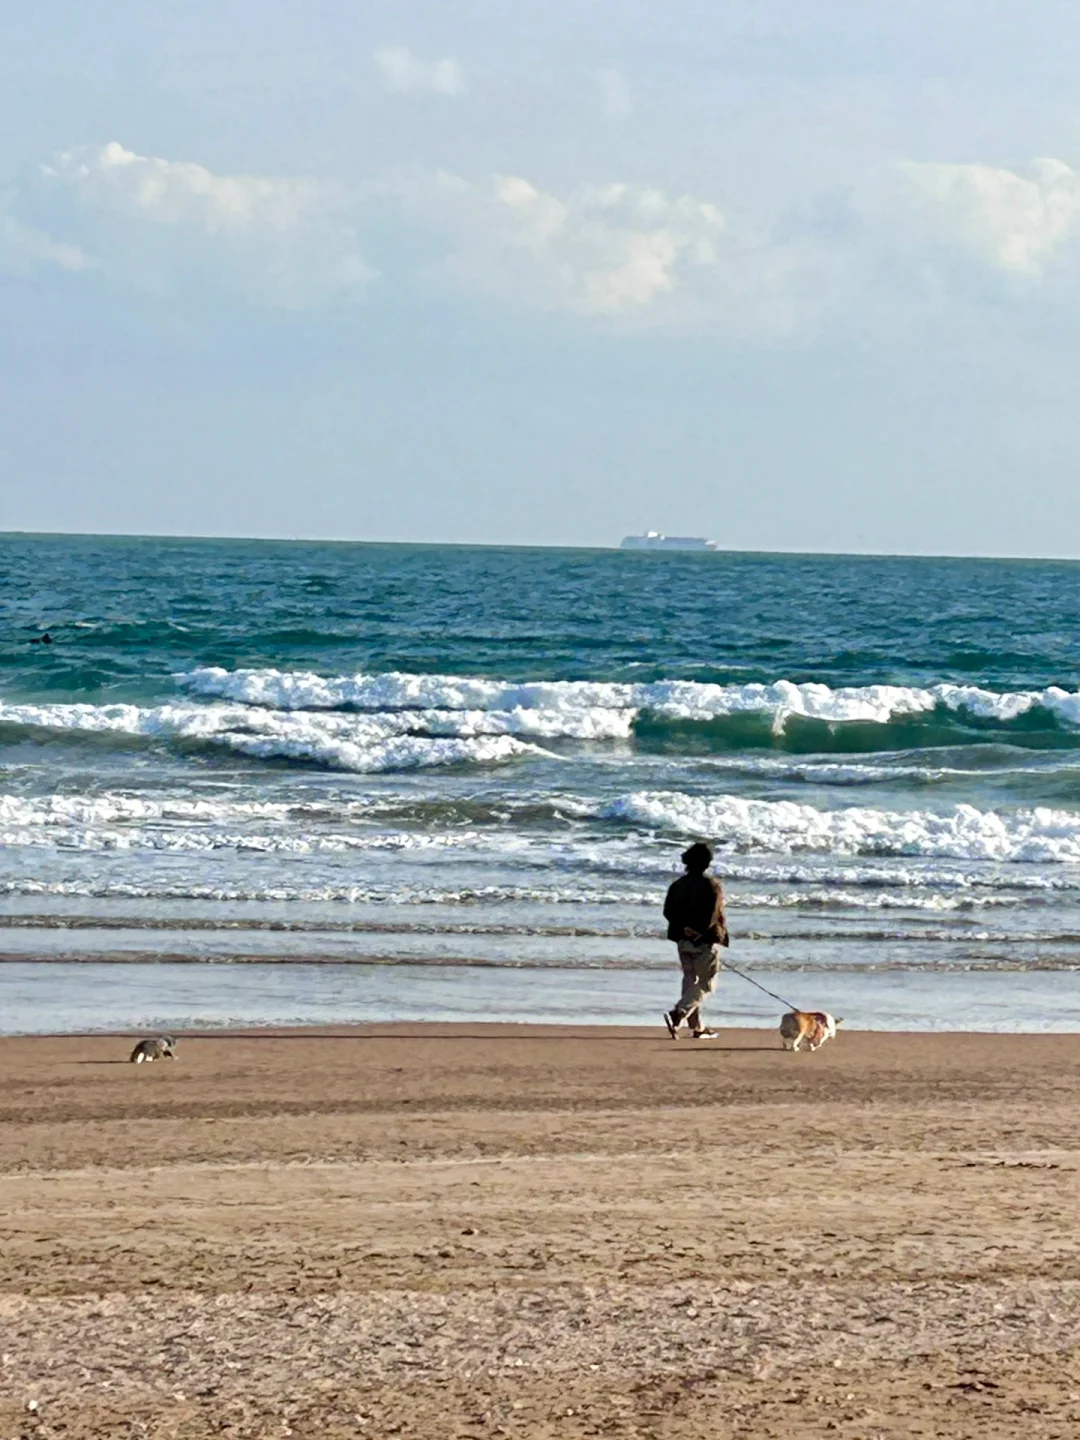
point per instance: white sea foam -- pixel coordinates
(612, 707)
(945, 875)
(106, 808)
(351, 894)
(303, 690)
(363, 743)
(407, 752)
(325, 807)
(946, 849)
(374, 723)
(961, 832)
(206, 841)
(561, 892)
(112, 821)
(835, 773)
(871, 900)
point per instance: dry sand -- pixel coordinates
(474, 1231)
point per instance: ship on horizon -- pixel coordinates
(654, 540)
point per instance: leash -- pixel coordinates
(771, 993)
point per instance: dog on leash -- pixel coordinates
(163, 1047)
(813, 1026)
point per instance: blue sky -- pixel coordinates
(793, 275)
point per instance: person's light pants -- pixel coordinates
(700, 967)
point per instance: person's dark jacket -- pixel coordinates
(696, 902)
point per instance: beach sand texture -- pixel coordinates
(441, 1231)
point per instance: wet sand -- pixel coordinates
(443, 1231)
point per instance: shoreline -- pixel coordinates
(1038, 966)
(532, 1030)
(94, 996)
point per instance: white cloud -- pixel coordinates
(161, 223)
(921, 237)
(23, 248)
(614, 89)
(601, 250)
(615, 252)
(177, 192)
(403, 73)
(633, 254)
(1016, 221)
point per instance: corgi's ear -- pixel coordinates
(838, 1021)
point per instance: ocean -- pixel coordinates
(284, 782)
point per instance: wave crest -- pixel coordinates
(359, 743)
(602, 709)
(785, 827)
(399, 721)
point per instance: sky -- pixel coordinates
(792, 274)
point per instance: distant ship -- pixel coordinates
(653, 540)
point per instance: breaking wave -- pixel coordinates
(634, 834)
(582, 703)
(347, 894)
(363, 744)
(961, 832)
(560, 894)
(370, 724)
(669, 714)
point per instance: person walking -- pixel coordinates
(694, 910)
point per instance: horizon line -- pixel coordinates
(523, 545)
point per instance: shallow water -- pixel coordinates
(49, 999)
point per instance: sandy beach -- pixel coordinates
(440, 1231)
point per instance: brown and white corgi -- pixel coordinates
(813, 1026)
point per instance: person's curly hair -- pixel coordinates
(697, 858)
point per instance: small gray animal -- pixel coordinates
(164, 1046)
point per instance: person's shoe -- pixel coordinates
(671, 1023)
(705, 1034)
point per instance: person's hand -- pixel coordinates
(694, 935)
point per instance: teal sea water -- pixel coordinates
(460, 780)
